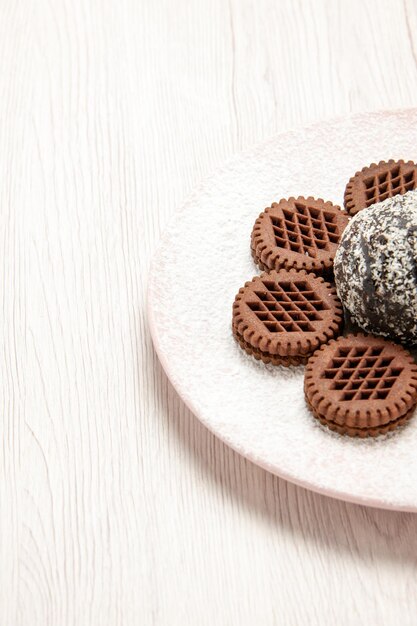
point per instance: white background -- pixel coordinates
(116, 506)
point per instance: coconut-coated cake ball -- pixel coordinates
(375, 268)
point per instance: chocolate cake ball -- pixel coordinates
(375, 268)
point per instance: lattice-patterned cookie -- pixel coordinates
(361, 385)
(379, 182)
(283, 317)
(300, 233)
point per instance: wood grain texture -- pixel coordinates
(117, 506)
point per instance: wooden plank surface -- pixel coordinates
(117, 506)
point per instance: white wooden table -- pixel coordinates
(116, 506)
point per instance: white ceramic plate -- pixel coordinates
(205, 257)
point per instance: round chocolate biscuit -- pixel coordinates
(377, 182)
(300, 233)
(361, 385)
(283, 317)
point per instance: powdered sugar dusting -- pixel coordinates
(204, 259)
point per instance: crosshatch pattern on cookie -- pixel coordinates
(299, 233)
(395, 180)
(286, 315)
(362, 373)
(305, 229)
(377, 182)
(361, 385)
(287, 306)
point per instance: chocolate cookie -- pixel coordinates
(283, 317)
(300, 233)
(379, 182)
(361, 385)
